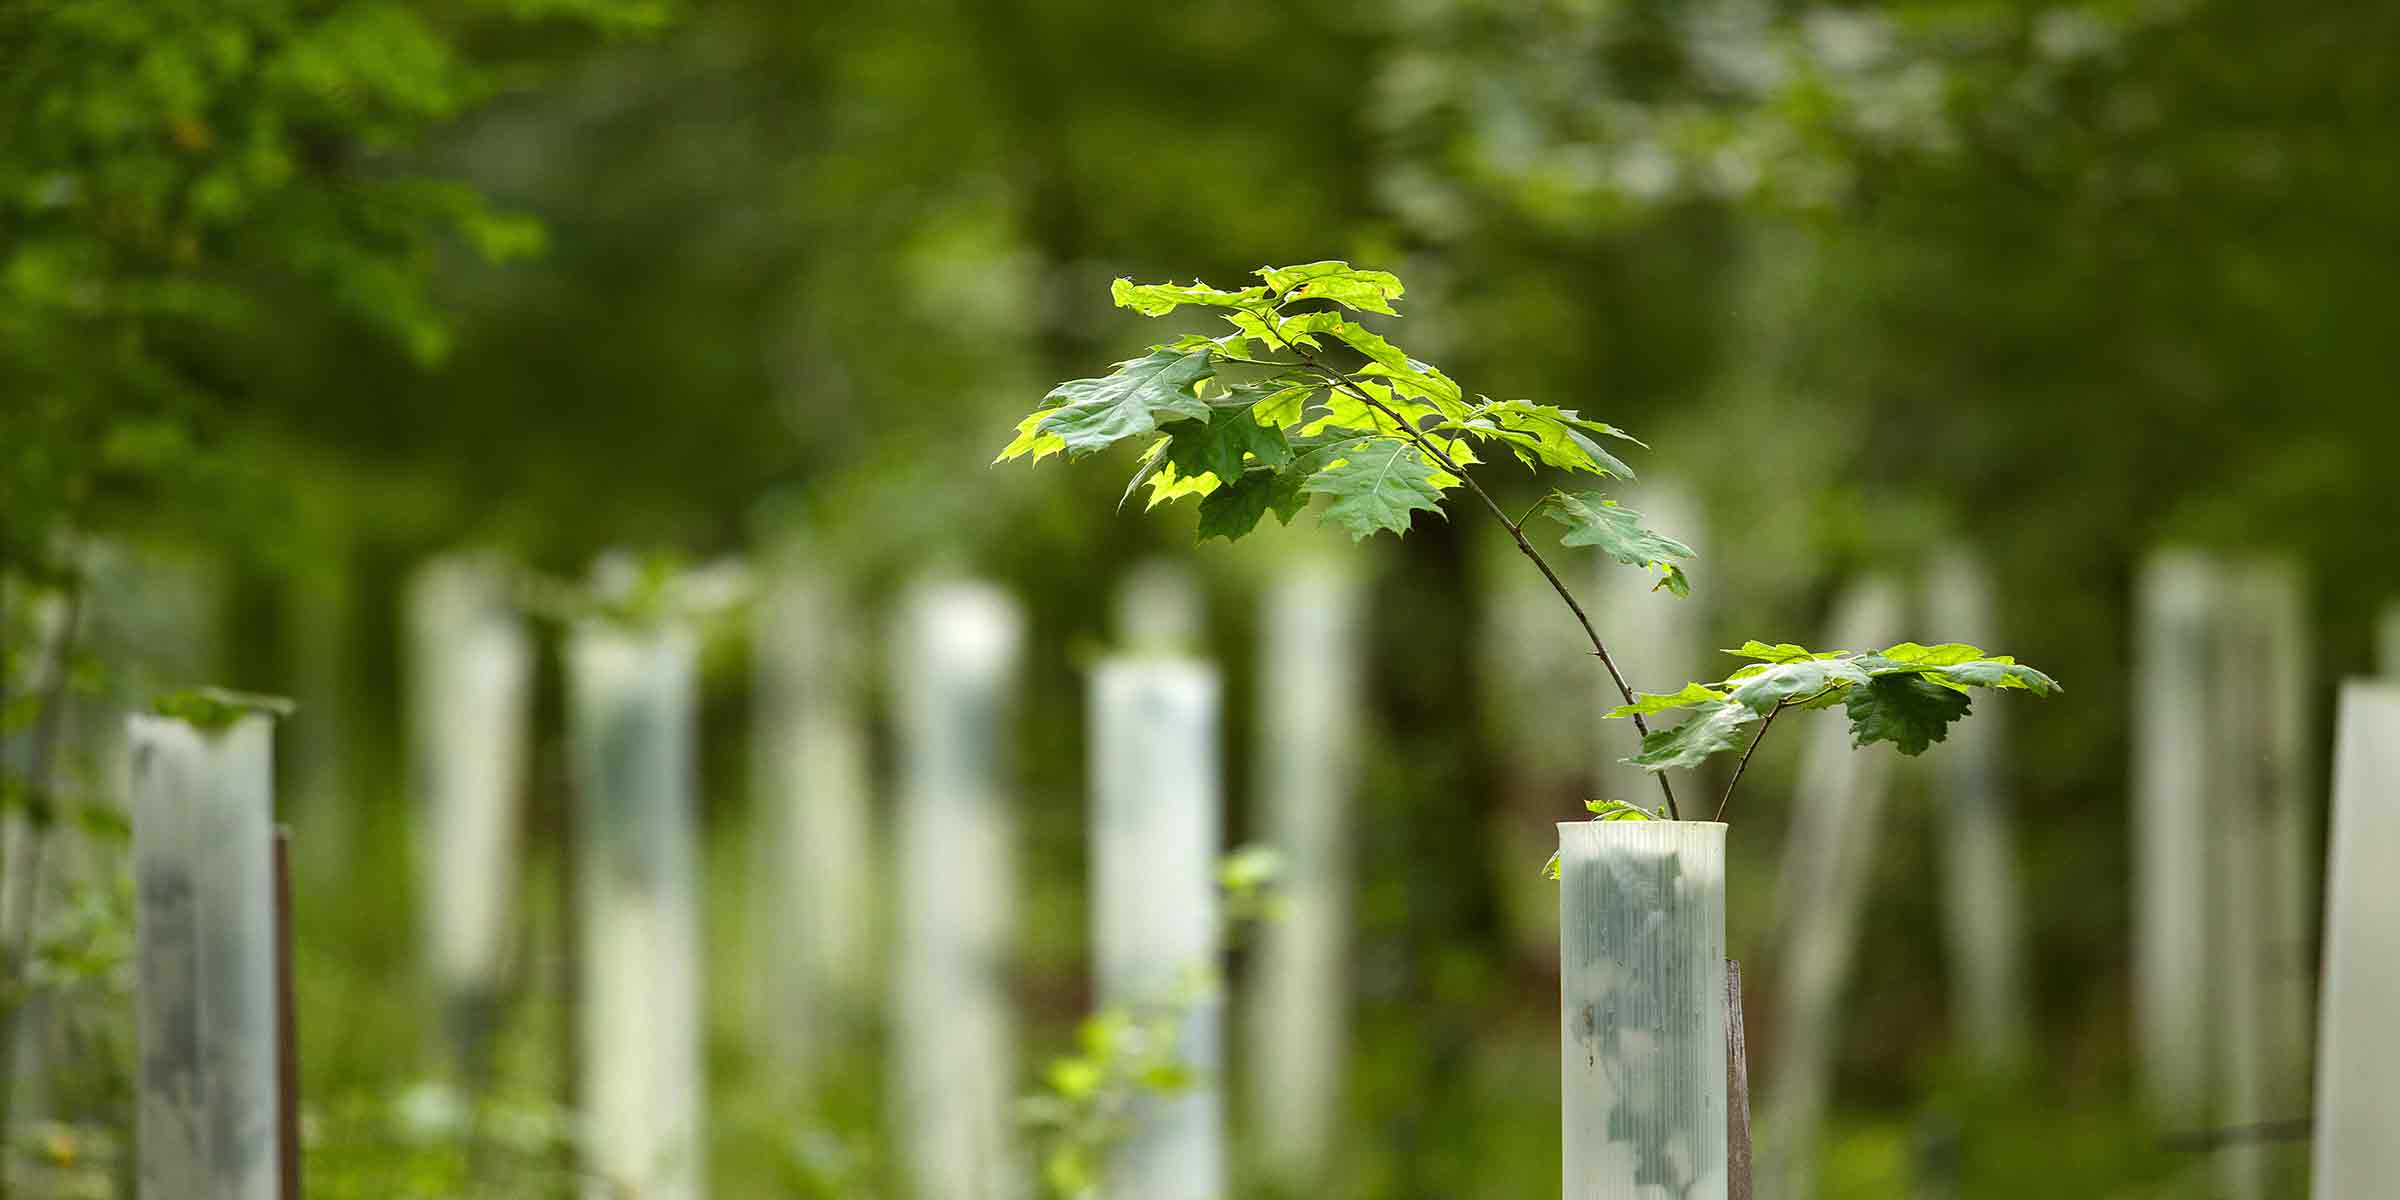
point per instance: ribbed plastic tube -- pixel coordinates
(1157, 832)
(470, 697)
(2355, 1152)
(1308, 715)
(1642, 1009)
(954, 653)
(813, 866)
(631, 718)
(204, 930)
(1981, 897)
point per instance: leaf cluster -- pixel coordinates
(1907, 694)
(1296, 399)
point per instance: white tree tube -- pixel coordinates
(1836, 826)
(1642, 1009)
(204, 929)
(470, 687)
(1161, 609)
(156, 616)
(2174, 659)
(1309, 724)
(1660, 639)
(2262, 885)
(1980, 890)
(2355, 1152)
(954, 653)
(812, 893)
(631, 716)
(1157, 832)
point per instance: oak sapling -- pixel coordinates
(1299, 400)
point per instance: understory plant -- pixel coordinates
(1298, 399)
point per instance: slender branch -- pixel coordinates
(1600, 648)
(1537, 507)
(1744, 764)
(1761, 736)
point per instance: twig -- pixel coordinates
(1744, 764)
(1600, 648)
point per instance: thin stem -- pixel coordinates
(1600, 648)
(1744, 764)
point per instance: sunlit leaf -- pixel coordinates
(1717, 726)
(1652, 703)
(1378, 486)
(1595, 520)
(1159, 299)
(1129, 402)
(1371, 291)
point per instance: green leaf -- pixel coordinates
(1944, 655)
(1167, 483)
(1905, 710)
(1031, 440)
(1396, 365)
(1595, 520)
(1545, 435)
(1152, 459)
(1128, 403)
(1218, 444)
(1371, 291)
(1279, 331)
(1717, 727)
(1377, 486)
(1159, 299)
(1603, 810)
(1958, 665)
(1779, 652)
(1998, 672)
(1235, 509)
(1763, 688)
(1617, 810)
(1285, 406)
(1653, 703)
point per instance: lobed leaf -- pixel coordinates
(1236, 508)
(1095, 413)
(1168, 484)
(1395, 364)
(1031, 440)
(1159, 299)
(1221, 443)
(1715, 728)
(1378, 486)
(1595, 520)
(1617, 810)
(1652, 703)
(1369, 291)
(1906, 710)
(1764, 688)
(1546, 435)
(1779, 652)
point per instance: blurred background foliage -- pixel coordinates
(296, 285)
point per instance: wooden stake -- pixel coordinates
(1737, 1090)
(287, 1044)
